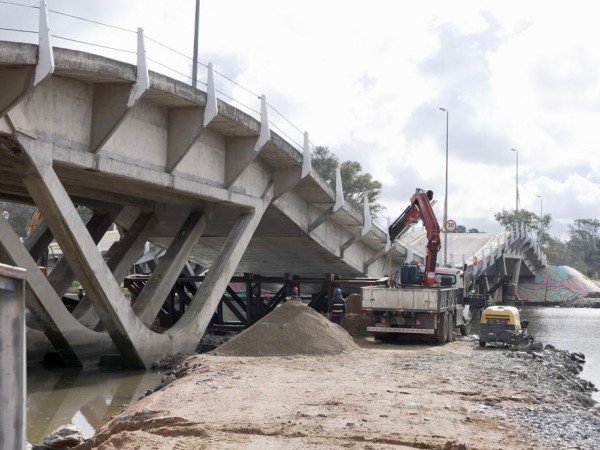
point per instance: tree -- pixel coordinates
(584, 245)
(325, 162)
(461, 229)
(356, 184)
(474, 230)
(531, 221)
(558, 252)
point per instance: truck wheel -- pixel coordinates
(482, 344)
(450, 336)
(442, 330)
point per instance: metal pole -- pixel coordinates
(517, 183)
(446, 195)
(195, 59)
(541, 218)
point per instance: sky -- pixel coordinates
(368, 79)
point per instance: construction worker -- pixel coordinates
(338, 307)
(294, 295)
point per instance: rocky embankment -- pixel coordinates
(562, 411)
(592, 300)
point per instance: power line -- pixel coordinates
(238, 84)
(285, 118)
(173, 70)
(92, 21)
(20, 31)
(94, 45)
(19, 4)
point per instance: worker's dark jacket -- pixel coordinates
(338, 306)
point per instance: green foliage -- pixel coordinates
(584, 246)
(356, 184)
(511, 218)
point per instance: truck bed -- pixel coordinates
(414, 298)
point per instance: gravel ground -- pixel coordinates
(561, 411)
(402, 396)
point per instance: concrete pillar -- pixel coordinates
(201, 309)
(77, 245)
(12, 354)
(159, 285)
(121, 257)
(61, 278)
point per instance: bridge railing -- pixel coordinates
(120, 43)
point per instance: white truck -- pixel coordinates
(429, 303)
(433, 310)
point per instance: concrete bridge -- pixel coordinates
(169, 164)
(172, 165)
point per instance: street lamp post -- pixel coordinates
(516, 183)
(541, 219)
(446, 195)
(195, 58)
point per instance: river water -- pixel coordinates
(88, 399)
(573, 329)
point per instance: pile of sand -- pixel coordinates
(291, 329)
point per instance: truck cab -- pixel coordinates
(449, 277)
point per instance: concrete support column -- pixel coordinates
(61, 278)
(12, 354)
(86, 261)
(159, 285)
(121, 257)
(41, 299)
(201, 309)
(37, 243)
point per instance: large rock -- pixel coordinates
(63, 437)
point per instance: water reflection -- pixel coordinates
(87, 399)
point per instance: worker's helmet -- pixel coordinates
(337, 292)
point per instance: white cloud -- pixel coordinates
(367, 80)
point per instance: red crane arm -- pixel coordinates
(421, 200)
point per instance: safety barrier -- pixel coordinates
(12, 355)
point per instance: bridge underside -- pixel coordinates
(171, 165)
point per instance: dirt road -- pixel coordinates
(378, 396)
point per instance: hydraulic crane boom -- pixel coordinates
(420, 207)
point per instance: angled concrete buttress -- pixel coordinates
(121, 257)
(138, 345)
(152, 297)
(75, 343)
